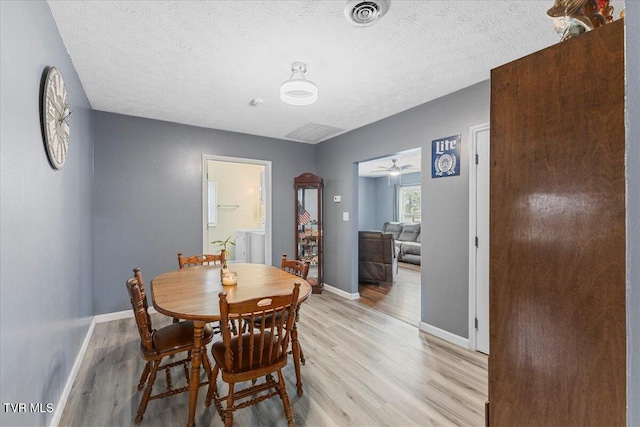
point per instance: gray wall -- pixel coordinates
(413, 178)
(375, 203)
(367, 203)
(148, 195)
(46, 219)
(445, 287)
(385, 201)
(633, 210)
(377, 200)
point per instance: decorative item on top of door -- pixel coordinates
(574, 17)
(308, 215)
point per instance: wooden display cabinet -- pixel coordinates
(308, 195)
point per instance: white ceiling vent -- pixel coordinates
(365, 12)
(313, 132)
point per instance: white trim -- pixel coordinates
(473, 212)
(212, 204)
(341, 293)
(117, 315)
(64, 396)
(447, 336)
(268, 226)
(107, 317)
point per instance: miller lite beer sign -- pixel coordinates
(445, 155)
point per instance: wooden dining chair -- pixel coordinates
(205, 259)
(256, 352)
(300, 269)
(295, 266)
(158, 344)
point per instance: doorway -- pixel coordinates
(389, 190)
(236, 204)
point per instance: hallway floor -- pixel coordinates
(400, 300)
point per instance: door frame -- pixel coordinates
(473, 231)
(268, 226)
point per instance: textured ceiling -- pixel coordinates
(202, 62)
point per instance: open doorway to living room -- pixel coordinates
(389, 223)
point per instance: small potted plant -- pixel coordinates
(224, 245)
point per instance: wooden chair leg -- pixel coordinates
(147, 392)
(206, 364)
(282, 389)
(295, 347)
(145, 374)
(302, 359)
(228, 412)
(212, 390)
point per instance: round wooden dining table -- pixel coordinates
(192, 293)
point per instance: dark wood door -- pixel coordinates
(557, 226)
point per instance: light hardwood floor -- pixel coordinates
(363, 368)
(400, 299)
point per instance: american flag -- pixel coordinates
(303, 216)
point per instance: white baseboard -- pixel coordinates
(64, 396)
(107, 317)
(447, 336)
(341, 293)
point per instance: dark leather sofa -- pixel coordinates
(377, 261)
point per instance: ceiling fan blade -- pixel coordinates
(383, 167)
(406, 167)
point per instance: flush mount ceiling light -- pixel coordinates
(298, 90)
(362, 13)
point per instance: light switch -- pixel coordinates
(345, 216)
(337, 199)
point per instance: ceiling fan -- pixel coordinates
(394, 169)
